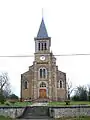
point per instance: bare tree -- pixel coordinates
(4, 84)
(88, 86)
(70, 89)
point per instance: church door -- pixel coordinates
(42, 93)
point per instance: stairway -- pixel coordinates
(41, 100)
(36, 112)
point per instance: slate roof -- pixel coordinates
(42, 33)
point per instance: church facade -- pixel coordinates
(43, 81)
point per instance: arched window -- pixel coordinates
(42, 46)
(43, 73)
(25, 85)
(60, 84)
(39, 46)
(45, 45)
(42, 84)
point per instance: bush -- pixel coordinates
(2, 99)
(76, 98)
(13, 96)
(80, 94)
(89, 98)
(67, 102)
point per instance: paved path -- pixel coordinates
(39, 104)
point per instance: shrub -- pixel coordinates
(2, 98)
(89, 98)
(76, 98)
(67, 102)
(13, 96)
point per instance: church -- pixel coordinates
(43, 81)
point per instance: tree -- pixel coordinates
(4, 84)
(80, 94)
(69, 89)
(2, 98)
(89, 94)
(13, 96)
(88, 86)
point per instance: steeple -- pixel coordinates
(42, 41)
(42, 33)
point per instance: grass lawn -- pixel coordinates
(5, 118)
(23, 104)
(79, 118)
(71, 103)
(17, 104)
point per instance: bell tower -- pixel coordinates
(42, 41)
(42, 63)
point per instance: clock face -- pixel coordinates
(42, 58)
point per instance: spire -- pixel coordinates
(42, 33)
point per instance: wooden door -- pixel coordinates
(42, 93)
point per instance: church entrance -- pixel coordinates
(42, 90)
(42, 93)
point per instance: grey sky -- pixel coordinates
(67, 23)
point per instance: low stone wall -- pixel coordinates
(71, 111)
(12, 112)
(54, 112)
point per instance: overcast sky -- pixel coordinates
(67, 23)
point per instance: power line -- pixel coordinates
(17, 56)
(60, 55)
(73, 54)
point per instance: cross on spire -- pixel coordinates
(42, 12)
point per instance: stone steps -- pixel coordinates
(36, 112)
(41, 100)
(36, 117)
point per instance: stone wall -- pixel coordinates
(58, 112)
(55, 112)
(12, 112)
